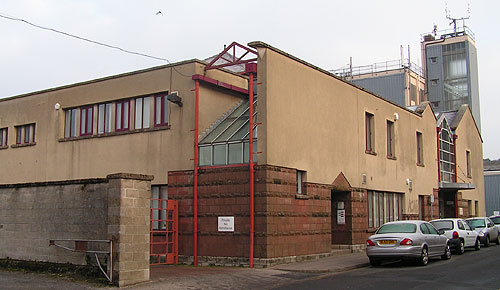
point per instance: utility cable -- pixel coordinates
(90, 40)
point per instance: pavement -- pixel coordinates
(190, 277)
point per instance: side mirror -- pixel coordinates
(441, 231)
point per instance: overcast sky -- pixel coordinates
(324, 33)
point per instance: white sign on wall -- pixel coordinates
(226, 224)
(341, 216)
(496, 212)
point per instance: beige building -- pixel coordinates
(332, 161)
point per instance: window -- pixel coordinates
(469, 206)
(476, 208)
(122, 115)
(384, 207)
(390, 139)
(434, 59)
(413, 94)
(434, 82)
(370, 133)
(70, 126)
(25, 134)
(104, 118)
(3, 137)
(86, 120)
(467, 156)
(420, 150)
(300, 181)
(161, 110)
(421, 96)
(159, 196)
(446, 153)
(461, 225)
(142, 112)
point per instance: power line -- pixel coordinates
(90, 40)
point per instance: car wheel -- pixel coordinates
(477, 246)
(498, 240)
(424, 257)
(374, 262)
(461, 248)
(487, 242)
(447, 253)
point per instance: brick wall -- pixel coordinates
(285, 224)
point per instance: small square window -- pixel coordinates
(434, 59)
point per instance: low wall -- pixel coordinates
(114, 208)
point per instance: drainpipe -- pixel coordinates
(195, 198)
(438, 129)
(250, 162)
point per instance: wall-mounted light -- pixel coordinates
(57, 106)
(396, 116)
(174, 98)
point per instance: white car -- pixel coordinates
(460, 234)
(496, 220)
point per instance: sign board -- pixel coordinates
(496, 212)
(226, 224)
(340, 205)
(341, 216)
(461, 211)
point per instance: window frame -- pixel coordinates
(143, 108)
(4, 137)
(161, 116)
(369, 133)
(106, 119)
(301, 179)
(119, 114)
(383, 207)
(26, 139)
(468, 163)
(420, 149)
(390, 140)
(70, 124)
(86, 128)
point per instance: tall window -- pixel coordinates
(86, 120)
(413, 94)
(370, 133)
(161, 110)
(300, 181)
(159, 195)
(25, 134)
(384, 207)
(467, 157)
(3, 137)
(420, 149)
(390, 139)
(446, 153)
(142, 112)
(104, 118)
(122, 115)
(70, 127)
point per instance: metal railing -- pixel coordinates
(348, 71)
(451, 32)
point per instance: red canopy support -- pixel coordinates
(232, 58)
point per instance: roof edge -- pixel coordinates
(260, 44)
(102, 79)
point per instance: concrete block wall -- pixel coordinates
(31, 214)
(115, 208)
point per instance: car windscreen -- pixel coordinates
(443, 225)
(397, 228)
(496, 220)
(476, 223)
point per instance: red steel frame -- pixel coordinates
(164, 242)
(251, 69)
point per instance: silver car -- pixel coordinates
(486, 229)
(416, 240)
(496, 220)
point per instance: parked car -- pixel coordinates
(486, 229)
(496, 220)
(417, 240)
(460, 234)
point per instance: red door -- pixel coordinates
(164, 234)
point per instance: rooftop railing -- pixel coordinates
(347, 71)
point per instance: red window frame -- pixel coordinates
(369, 132)
(3, 141)
(84, 126)
(106, 117)
(162, 119)
(123, 126)
(420, 149)
(390, 139)
(22, 137)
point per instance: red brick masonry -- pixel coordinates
(286, 224)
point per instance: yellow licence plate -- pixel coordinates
(387, 242)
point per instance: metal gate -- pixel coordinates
(164, 233)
